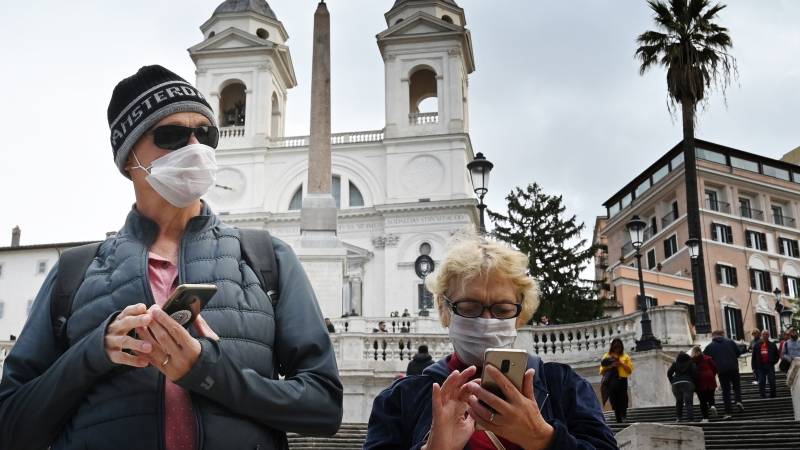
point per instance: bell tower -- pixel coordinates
(244, 69)
(427, 53)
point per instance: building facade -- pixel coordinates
(749, 207)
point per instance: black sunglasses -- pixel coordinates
(173, 137)
(473, 308)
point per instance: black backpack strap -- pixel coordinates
(72, 267)
(260, 256)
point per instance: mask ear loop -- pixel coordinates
(139, 164)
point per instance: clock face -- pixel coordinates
(228, 188)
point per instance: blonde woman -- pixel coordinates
(483, 294)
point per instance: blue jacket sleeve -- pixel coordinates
(582, 425)
(309, 399)
(388, 428)
(42, 387)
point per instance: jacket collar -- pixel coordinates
(145, 229)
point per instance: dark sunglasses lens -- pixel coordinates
(171, 137)
(207, 135)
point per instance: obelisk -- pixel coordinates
(318, 214)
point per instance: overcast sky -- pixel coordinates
(556, 97)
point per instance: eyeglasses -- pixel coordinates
(473, 308)
(173, 137)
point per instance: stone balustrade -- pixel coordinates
(352, 137)
(423, 118)
(231, 132)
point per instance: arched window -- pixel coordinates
(424, 104)
(262, 33)
(447, 18)
(297, 200)
(232, 105)
(356, 199)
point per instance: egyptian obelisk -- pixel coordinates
(320, 251)
(318, 215)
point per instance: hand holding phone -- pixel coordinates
(511, 362)
(187, 300)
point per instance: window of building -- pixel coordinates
(642, 188)
(651, 259)
(733, 323)
(710, 155)
(41, 267)
(424, 297)
(760, 280)
(791, 286)
(626, 200)
(651, 302)
(776, 172)
(744, 207)
(722, 233)
(740, 163)
(262, 33)
(788, 247)
(232, 105)
(726, 275)
(676, 161)
(767, 322)
(356, 199)
(425, 248)
(670, 246)
(613, 209)
(653, 226)
(296, 203)
(712, 200)
(755, 240)
(660, 173)
(447, 18)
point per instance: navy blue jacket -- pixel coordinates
(772, 350)
(401, 414)
(725, 354)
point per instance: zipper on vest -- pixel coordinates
(150, 299)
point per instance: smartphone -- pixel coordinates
(511, 362)
(186, 301)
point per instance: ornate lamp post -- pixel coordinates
(636, 228)
(479, 169)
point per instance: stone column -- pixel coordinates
(318, 215)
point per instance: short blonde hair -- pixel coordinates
(470, 256)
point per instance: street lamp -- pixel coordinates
(693, 244)
(636, 228)
(479, 169)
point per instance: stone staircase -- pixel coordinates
(351, 436)
(764, 424)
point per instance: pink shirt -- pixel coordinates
(179, 421)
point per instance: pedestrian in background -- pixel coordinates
(706, 382)
(420, 361)
(615, 368)
(725, 354)
(790, 349)
(682, 375)
(765, 356)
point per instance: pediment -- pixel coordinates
(231, 38)
(419, 23)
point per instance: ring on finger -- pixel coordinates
(166, 361)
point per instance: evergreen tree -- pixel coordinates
(536, 225)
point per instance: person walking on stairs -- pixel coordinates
(682, 375)
(706, 381)
(615, 368)
(725, 354)
(765, 356)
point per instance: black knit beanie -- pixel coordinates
(142, 100)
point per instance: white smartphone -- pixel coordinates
(511, 362)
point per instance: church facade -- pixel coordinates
(400, 191)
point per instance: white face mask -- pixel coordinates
(184, 175)
(471, 337)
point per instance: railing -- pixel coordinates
(231, 132)
(358, 324)
(668, 219)
(718, 205)
(784, 221)
(750, 213)
(353, 137)
(423, 118)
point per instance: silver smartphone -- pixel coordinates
(511, 362)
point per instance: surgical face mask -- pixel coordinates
(471, 337)
(184, 175)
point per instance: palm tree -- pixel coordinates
(694, 50)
